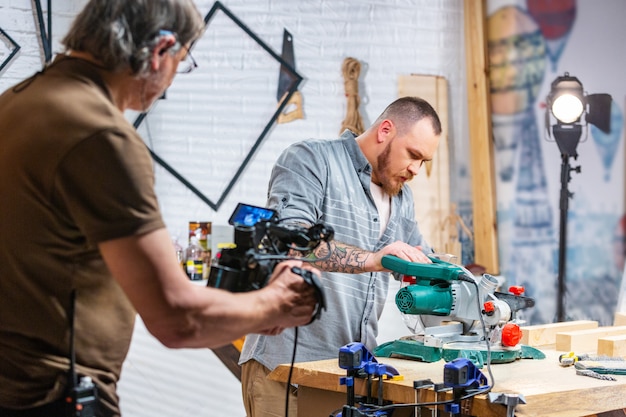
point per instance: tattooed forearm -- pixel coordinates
(340, 257)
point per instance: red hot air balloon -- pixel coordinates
(555, 19)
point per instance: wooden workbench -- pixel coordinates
(549, 389)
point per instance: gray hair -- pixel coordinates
(121, 34)
(406, 111)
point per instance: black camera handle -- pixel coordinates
(311, 279)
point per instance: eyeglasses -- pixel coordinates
(187, 64)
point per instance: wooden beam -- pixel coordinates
(229, 355)
(612, 346)
(545, 334)
(585, 341)
(480, 136)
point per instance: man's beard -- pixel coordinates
(386, 181)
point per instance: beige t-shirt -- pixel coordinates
(383, 204)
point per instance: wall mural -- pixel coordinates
(239, 64)
(525, 46)
(555, 20)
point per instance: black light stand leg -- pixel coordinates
(566, 170)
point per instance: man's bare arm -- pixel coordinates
(341, 257)
(181, 314)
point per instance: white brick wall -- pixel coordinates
(204, 112)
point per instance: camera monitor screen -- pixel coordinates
(247, 215)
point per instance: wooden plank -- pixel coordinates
(545, 334)
(431, 187)
(550, 390)
(229, 355)
(613, 346)
(585, 341)
(480, 137)
(620, 319)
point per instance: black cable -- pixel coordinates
(484, 327)
(473, 393)
(433, 403)
(73, 379)
(293, 360)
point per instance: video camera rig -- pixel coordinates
(262, 240)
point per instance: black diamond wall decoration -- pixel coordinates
(44, 33)
(212, 116)
(8, 49)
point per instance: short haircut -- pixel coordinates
(406, 111)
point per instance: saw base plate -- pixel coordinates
(476, 352)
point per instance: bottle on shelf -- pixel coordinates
(194, 260)
(202, 231)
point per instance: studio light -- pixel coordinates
(566, 99)
(572, 110)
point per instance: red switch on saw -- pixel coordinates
(511, 334)
(408, 278)
(489, 308)
(517, 289)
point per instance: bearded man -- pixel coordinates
(357, 185)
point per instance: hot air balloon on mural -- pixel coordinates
(516, 70)
(517, 65)
(607, 143)
(555, 19)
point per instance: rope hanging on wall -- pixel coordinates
(351, 69)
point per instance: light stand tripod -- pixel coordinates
(567, 139)
(568, 103)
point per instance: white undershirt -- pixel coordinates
(383, 204)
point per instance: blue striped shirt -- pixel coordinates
(328, 181)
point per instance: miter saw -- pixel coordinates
(453, 314)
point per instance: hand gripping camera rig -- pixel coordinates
(261, 242)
